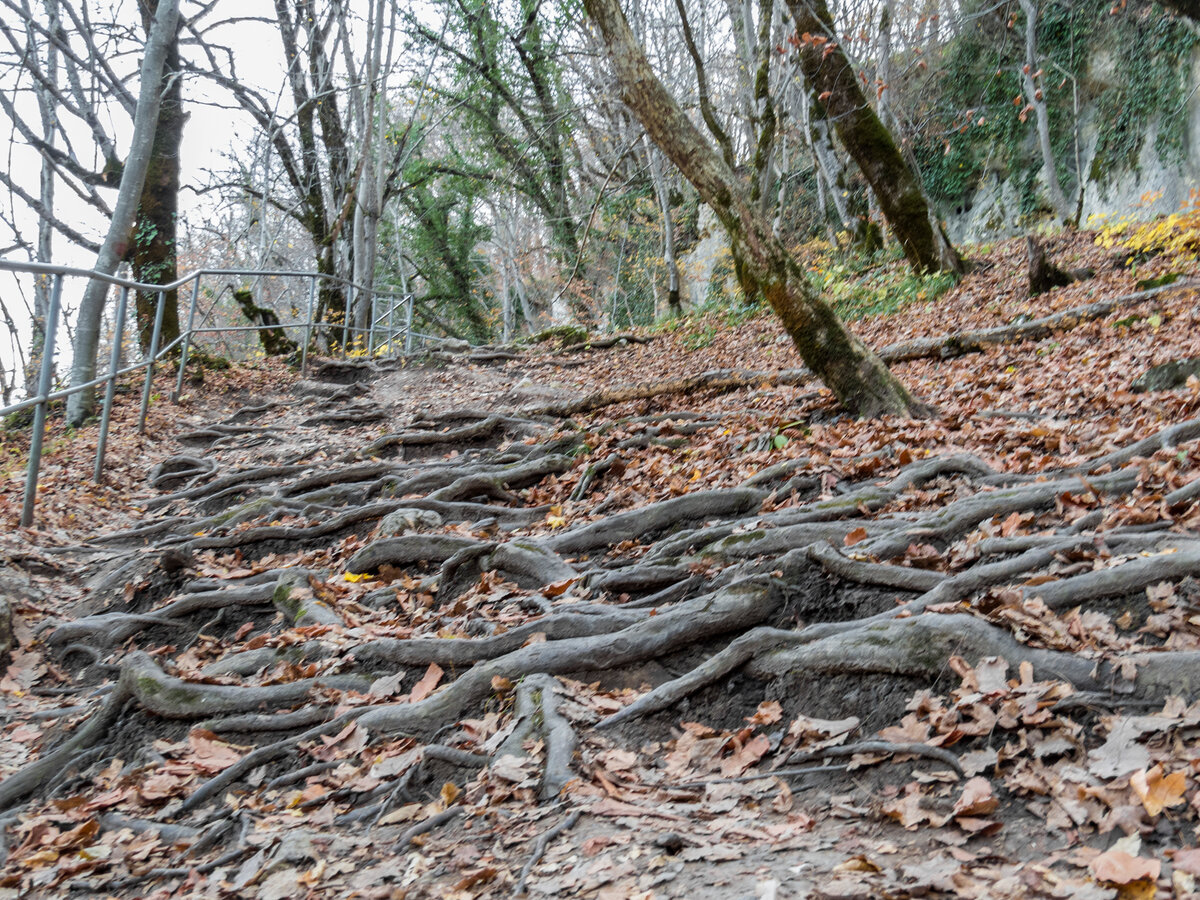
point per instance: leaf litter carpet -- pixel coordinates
(412, 632)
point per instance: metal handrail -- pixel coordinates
(41, 401)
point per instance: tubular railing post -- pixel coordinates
(39, 413)
(158, 319)
(111, 388)
(391, 325)
(346, 321)
(308, 329)
(371, 329)
(187, 335)
(408, 327)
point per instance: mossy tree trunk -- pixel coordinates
(857, 377)
(153, 250)
(896, 186)
(273, 338)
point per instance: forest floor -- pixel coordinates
(468, 628)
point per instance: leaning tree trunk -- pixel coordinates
(857, 377)
(116, 241)
(271, 335)
(896, 187)
(154, 235)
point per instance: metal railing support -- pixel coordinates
(39, 413)
(151, 356)
(349, 301)
(408, 327)
(111, 388)
(308, 328)
(187, 335)
(45, 395)
(371, 329)
(391, 326)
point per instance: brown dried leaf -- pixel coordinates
(426, 685)
(768, 713)
(976, 799)
(1118, 867)
(1158, 791)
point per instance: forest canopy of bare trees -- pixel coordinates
(486, 158)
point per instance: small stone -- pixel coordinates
(403, 521)
(669, 842)
(1167, 376)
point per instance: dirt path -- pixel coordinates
(397, 636)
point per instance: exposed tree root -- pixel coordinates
(434, 821)
(604, 343)
(1033, 330)
(537, 717)
(940, 754)
(718, 380)
(540, 845)
(483, 616)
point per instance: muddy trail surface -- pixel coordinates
(632, 618)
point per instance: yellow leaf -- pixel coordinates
(363, 576)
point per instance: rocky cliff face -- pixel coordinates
(1152, 187)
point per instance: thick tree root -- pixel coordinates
(1034, 330)
(537, 717)
(707, 575)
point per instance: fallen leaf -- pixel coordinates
(428, 682)
(768, 713)
(858, 863)
(976, 799)
(1187, 859)
(1118, 867)
(1158, 791)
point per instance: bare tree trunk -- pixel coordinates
(830, 170)
(369, 203)
(1029, 75)
(117, 240)
(45, 241)
(674, 306)
(832, 79)
(155, 245)
(857, 377)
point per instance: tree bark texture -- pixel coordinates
(153, 254)
(896, 186)
(117, 240)
(1034, 97)
(273, 338)
(859, 380)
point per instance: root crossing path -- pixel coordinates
(353, 649)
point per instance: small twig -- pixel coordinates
(262, 755)
(300, 774)
(1098, 700)
(778, 773)
(429, 824)
(540, 845)
(926, 750)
